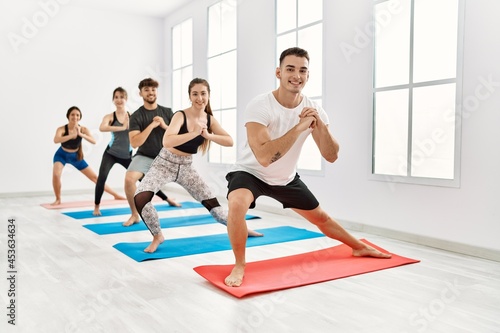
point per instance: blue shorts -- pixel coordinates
(64, 157)
(292, 195)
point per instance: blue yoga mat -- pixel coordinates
(166, 222)
(85, 214)
(196, 245)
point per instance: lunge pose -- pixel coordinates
(119, 149)
(146, 128)
(190, 129)
(277, 124)
(70, 137)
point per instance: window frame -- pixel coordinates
(409, 179)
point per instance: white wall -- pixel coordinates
(81, 55)
(56, 56)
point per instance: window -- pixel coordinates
(415, 92)
(300, 23)
(182, 63)
(222, 75)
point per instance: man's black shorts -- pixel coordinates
(293, 195)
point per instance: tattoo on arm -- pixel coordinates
(276, 157)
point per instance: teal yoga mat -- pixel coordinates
(85, 214)
(166, 222)
(212, 243)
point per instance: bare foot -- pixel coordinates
(235, 279)
(132, 220)
(157, 240)
(96, 211)
(173, 203)
(368, 251)
(119, 197)
(253, 233)
(57, 202)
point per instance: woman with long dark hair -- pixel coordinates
(190, 130)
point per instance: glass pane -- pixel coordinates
(214, 30)
(217, 153)
(435, 40)
(176, 90)
(310, 11)
(229, 123)
(391, 132)
(176, 47)
(180, 84)
(187, 76)
(286, 15)
(228, 80)
(214, 154)
(187, 43)
(311, 39)
(433, 131)
(392, 43)
(215, 79)
(228, 26)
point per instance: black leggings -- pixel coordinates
(107, 163)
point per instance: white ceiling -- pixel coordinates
(153, 8)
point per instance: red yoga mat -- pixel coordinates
(299, 270)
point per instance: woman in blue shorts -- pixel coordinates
(70, 137)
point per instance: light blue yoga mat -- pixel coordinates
(85, 214)
(166, 222)
(179, 247)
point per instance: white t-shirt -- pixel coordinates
(265, 109)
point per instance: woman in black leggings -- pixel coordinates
(119, 149)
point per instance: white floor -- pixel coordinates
(71, 280)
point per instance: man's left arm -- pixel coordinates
(327, 144)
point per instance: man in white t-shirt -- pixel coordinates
(277, 125)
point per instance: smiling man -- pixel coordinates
(277, 125)
(147, 126)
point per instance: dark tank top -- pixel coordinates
(191, 147)
(73, 143)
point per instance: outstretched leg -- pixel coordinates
(90, 174)
(333, 229)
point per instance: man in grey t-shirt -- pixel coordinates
(146, 128)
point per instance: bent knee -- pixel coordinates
(240, 199)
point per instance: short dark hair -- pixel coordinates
(295, 51)
(149, 82)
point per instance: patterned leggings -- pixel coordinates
(168, 167)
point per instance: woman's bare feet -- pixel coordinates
(57, 202)
(253, 233)
(368, 251)
(96, 211)
(235, 279)
(173, 203)
(132, 220)
(157, 240)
